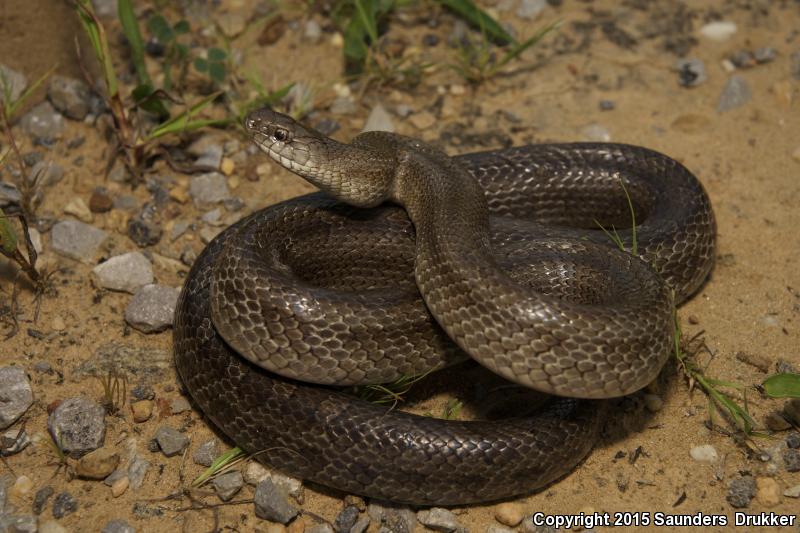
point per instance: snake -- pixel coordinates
(555, 266)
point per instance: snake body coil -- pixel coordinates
(504, 248)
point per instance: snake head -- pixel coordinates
(356, 175)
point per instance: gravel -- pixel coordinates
(70, 96)
(16, 395)
(719, 30)
(64, 504)
(171, 441)
(118, 526)
(530, 9)
(704, 453)
(346, 519)
(735, 94)
(126, 273)
(13, 441)
(439, 519)
(228, 484)
(272, 503)
(78, 426)
(137, 470)
(41, 498)
(97, 464)
(208, 189)
(791, 460)
(77, 240)
(15, 81)
(152, 308)
(793, 440)
(691, 72)
(206, 453)
(379, 120)
(741, 491)
(43, 123)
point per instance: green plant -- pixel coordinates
(222, 463)
(115, 392)
(213, 65)
(452, 409)
(12, 105)
(477, 63)
(136, 139)
(176, 53)
(387, 393)
(784, 385)
(614, 235)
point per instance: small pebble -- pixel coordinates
(137, 471)
(765, 54)
(100, 202)
(127, 272)
(321, 527)
(439, 519)
(119, 487)
(16, 395)
(118, 526)
(346, 518)
(775, 421)
(704, 453)
(596, 132)
(41, 498)
(718, 30)
(76, 240)
(152, 308)
(312, 31)
(379, 120)
(15, 81)
(144, 231)
(179, 405)
(97, 464)
(78, 426)
(606, 105)
(768, 491)
(691, 72)
(653, 402)
(271, 503)
(70, 96)
(792, 410)
(227, 166)
(530, 9)
(206, 453)
(64, 504)
(509, 514)
(741, 491)
(423, 120)
(793, 492)
(43, 123)
(735, 94)
(171, 441)
(791, 460)
(793, 440)
(51, 526)
(142, 410)
(228, 484)
(22, 487)
(756, 360)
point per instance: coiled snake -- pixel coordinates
(506, 251)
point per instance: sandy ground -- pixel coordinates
(743, 157)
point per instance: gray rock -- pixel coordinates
(792, 492)
(273, 504)
(105, 8)
(144, 231)
(47, 173)
(228, 484)
(9, 194)
(741, 491)
(211, 156)
(42, 497)
(530, 9)
(18, 523)
(321, 527)
(115, 476)
(70, 96)
(149, 365)
(43, 123)
(735, 94)
(705, 453)
(394, 517)
(152, 308)
(126, 202)
(346, 519)
(127, 272)
(743, 59)
(12, 81)
(179, 405)
(343, 105)
(765, 54)
(312, 31)
(77, 240)
(137, 470)
(16, 395)
(361, 525)
(691, 72)
(606, 105)
(78, 426)
(596, 132)
(51, 526)
(793, 440)
(171, 441)
(64, 504)
(439, 519)
(6, 481)
(118, 526)
(13, 441)
(791, 460)
(379, 120)
(208, 189)
(206, 453)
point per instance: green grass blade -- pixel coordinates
(8, 237)
(782, 386)
(367, 17)
(224, 460)
(180, 122)
(11, 107)
(130, 27)
(517, 49)
(97, 37)
(467, 10)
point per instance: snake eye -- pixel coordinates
(280, 135)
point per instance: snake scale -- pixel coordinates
(504, 248)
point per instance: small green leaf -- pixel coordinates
(145, 97)
(182, 26)
(159, 27)
(201, 64)
(782, 386)
(219, 463)
(477, 17)
(8, 237)
(216, 54)
(216, 71)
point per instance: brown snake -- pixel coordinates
(504, 248)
